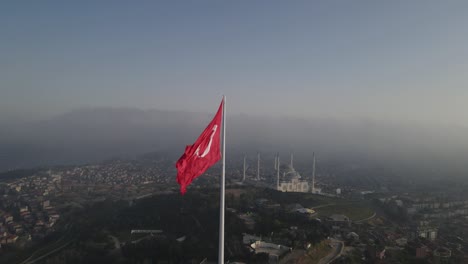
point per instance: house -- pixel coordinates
(338, 220)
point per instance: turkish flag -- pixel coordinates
(204, 153)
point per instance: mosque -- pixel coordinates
(292, 181)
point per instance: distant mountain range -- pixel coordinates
(90, 135)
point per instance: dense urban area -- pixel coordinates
(130, 211)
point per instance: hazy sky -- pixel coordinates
(383, 60)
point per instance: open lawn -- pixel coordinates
(315, 253)
(355, 211)
(323, 205)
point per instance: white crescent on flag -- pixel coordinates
(207, 150)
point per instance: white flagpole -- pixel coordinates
(278, 173)
(313, 174)
(221, 192)
(243, 174)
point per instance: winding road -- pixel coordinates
(338, 247)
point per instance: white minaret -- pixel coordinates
(278, 173)
(276, 161)
(313, 173)
(258, 166)
(243, 175)
(292, 158)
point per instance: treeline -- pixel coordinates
(192, 218)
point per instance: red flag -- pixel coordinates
(204, 153)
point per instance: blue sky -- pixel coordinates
(380, 60)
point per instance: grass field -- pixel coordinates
(315, 253)
(355, 211)
(323, 205)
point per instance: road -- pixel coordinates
(338, 247)
(116, 241)
(31, 260)
(116, 251)
(58, 245)
(365, 219)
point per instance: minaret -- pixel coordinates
(278, 173)
(258, 166)
(243, 175)
(276, 161)
(313, 173)
(292, 158)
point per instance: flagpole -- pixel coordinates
(221, 192)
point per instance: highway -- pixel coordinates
(33, 259)
(56, 246)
